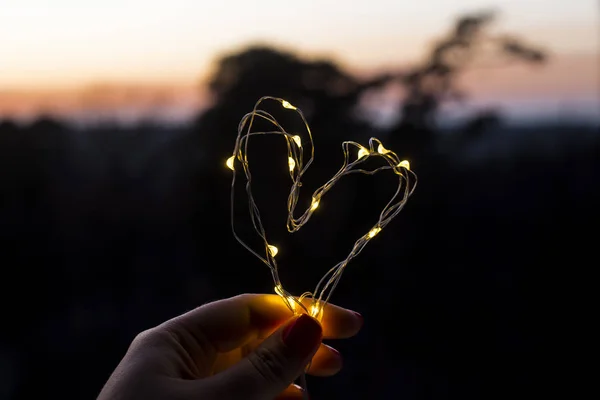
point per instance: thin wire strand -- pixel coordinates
(354, 155)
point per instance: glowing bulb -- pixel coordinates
(288, 299)
(298, 140)
(229, 162)
(291, 163)
(273, 250)
(292, 303)
(314, 310)
(404, 164)
(363, 152)
(314, 204)
(286, 104)
(381, 149)
(279, 290)
(373, 232)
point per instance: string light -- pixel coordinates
(362, 152)
(298, 140)
(289, 300)
(382, 150)
(273, 250)
(315, 310)
(286, 104)
(313, 303)
(314, 204)
(373, 232)
(291, 163)
(229, 162)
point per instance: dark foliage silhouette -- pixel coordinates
(468, 46)
(434, 82)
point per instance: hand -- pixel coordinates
(246, 347)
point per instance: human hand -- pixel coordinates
(246, 347)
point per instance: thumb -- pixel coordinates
(273, 365)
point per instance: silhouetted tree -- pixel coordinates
(434, 82)
(327, 95)
(468, 46)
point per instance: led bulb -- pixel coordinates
(292, 303)
(298, 140)
(291, 163)
(404, 164)
(314, 310)
(273, 250)
(288, 299)
(279, 290)
(363, 152)
(229, 162)
(373, 232)
(314, 204)
(381, 149)
(286, 104)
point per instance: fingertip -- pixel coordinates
(292, 392)
(326, 362)
(341, 323)
(360, 318)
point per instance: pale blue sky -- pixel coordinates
(74, 42)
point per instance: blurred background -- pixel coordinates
(116, 118)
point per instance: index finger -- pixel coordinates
(231, 323)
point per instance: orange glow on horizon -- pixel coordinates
(54, 54)
(563, 76)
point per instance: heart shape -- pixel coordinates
(407, 181)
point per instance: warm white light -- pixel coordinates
(273, 250)
(315, 310)
(229, 162)
(279, 290)
(286, 104)
(291, 163)
(381, 149)
(289, 299)
(373, 232)
(314, 204)
(298, 140)
(404, 164)
(292, 303)
(363, 152)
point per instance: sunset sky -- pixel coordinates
(52, 51)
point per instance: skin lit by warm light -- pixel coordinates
(314, 204)
(291, 163)
(229, 162)
(404, 164)
(363, 152)
(273, 250)
(382, 150)
(298, 140)
(373, 232)
(286, 104)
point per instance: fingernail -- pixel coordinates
(337, 353)
(301, 390)
(298, 387)
(303, 335)
(360, 317)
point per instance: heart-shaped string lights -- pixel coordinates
(354, 155)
